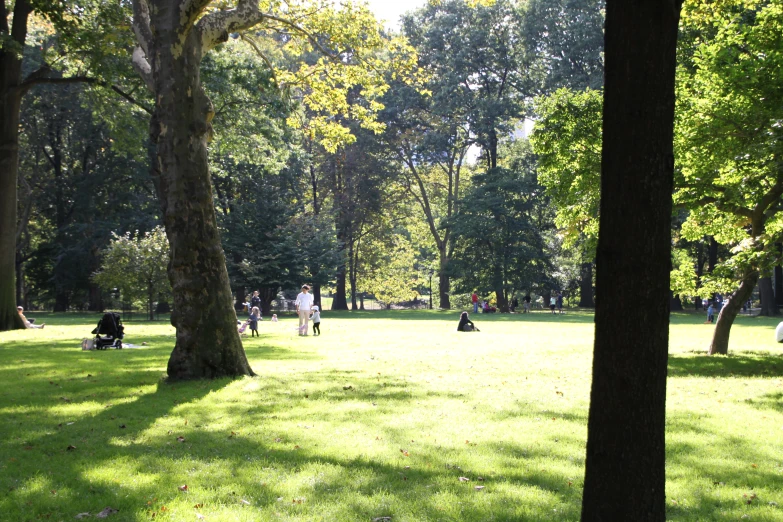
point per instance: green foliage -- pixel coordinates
(567, 140)
(566, 40)
(729, 138)
(502, 247)
(136, 266)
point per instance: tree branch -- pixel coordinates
(37, 78)
(143, 67)
(215, 27)
(141, 25)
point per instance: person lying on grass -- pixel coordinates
(28, 324)
(465, 324)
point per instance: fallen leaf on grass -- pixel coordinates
(464, 479)
(180, 439)
(382, 519)
(70, 448)
(200, 516)
(183, 487)
(245, 502)
(479, 488)
(83, 515)
(198, 506)
(122, 426)
(348, 387)
(106, 512)
(404, 453)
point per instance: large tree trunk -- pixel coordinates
(444, 283)
(779, 278)
(502, 300)
(767, 295)
(316, 291)
(731, 307)
(10, 105)
(625, 466)
(207, 342)
(586, 286)
(339, 301)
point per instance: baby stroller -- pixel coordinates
(109, 332)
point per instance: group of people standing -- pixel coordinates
(306, 309)
(555, 303)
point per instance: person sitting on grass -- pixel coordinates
(28, 324)
(465, 324)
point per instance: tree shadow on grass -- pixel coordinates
(745, 364)
(44, 479)
(721, 483)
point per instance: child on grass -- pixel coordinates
(255, 316)
(710, 313)
(316, 317)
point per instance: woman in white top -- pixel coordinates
(304, 302)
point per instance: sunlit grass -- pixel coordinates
(379, 417)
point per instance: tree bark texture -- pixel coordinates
(444, 282)
(10, 106)
(767, 294)
(779, 277)
(207, 342)
(624, 471)
(731, 307)
(586, 286)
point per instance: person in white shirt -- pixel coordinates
(27, 324)
(304, 303)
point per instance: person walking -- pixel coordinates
(474, 299)
(560, 302)
(552, 302)
(304, 304)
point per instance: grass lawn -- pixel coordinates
(387, 414)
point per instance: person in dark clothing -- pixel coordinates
(463, 321)
(255, 301)
(526, 306)
(514, 304)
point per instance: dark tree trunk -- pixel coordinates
(20, 280)
(699, 273)
(731, 307)
(767, 295)
(586, 286)
(625, 466)
(62, 300)
(96, 298)
(352, 268)
(779, 276)
(267, 295)
(339, 301)
(712, 255)
(207, 342)
(316, 291)
(502, 300)
(444, 283)
(675, 304)
(239, 298)
(10, 105)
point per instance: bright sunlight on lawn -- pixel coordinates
(388, 416)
